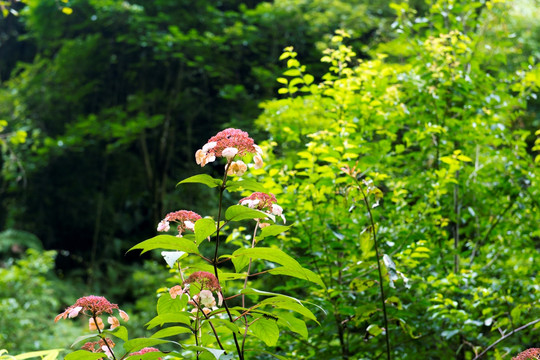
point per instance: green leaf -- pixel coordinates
(44, 354)
(374, 330)
(202, 179)
(167, 318)
(84, 355)
(204, 228)
(215, 352)
(120, 332)
(81, 338)
(283, 302)
(226, 323)
(308, 79)
(293, 323)
(166, 304)
(266, 330)
(139, 343)
(171, 331)
(245, 184)
(272, 230)
(305, 274)
(167, 242)
(239, 212)
(290, 265)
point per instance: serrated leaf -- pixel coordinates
(120, 332)
(245, 184)
(167, 318)
(282, 302)
(171, 331)
(266, 330)
(139, 343)
(204, 228)
(167, 242)
(166, 304)
(305, 274)
(84, 355)
(293, 324)
(81, 338)
(171, 257)
(202, 179)
(272, 230)
(239, 212)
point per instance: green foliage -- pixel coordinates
(432, 127)
(28, 303)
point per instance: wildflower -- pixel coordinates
(163, 226)
(206, 281)
(97, 346)
(175, 291)
(207, 298)
(228, 144)
(257, 159)
(237, 168)
(229, 153)
(113, 322)
(145, 351)
(92, 325)
(263, 202)
(93, 306)
(203, 156)
(529, 354)
(123, 315)
(185, 218)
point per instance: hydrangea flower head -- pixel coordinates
(93, 306)
(206, 280)
(99, 346)
(229, 143)
(529, 354)
(263, 202)
(184, 218)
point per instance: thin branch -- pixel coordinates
(504, 337)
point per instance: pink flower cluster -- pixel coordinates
(185, 219)
(144, 351)
(103, 345)
(230, 143)
(529, 354)
(93, 306)
(208, 283)
(263, 202)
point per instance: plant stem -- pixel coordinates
(373, 231)
(504, 337)
(215, 262)
(104, 338)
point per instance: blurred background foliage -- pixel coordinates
(104, 102)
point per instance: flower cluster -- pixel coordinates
(144, 351)
(208, 283)
(228, 144)
(263, 202)
(93, 306)
(529, 354)
(103, 345)
(185, 219)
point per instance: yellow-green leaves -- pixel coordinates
(168, 242)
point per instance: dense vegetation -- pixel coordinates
(400, 139)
